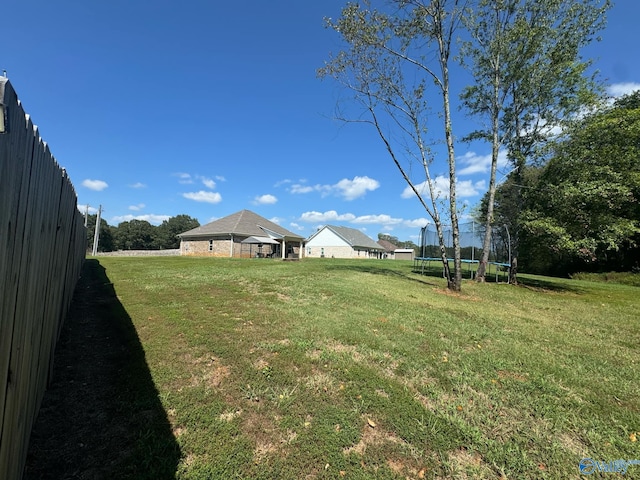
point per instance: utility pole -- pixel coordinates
(86, 215)
(96, 236)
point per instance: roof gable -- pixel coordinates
(325, 237)
(244, 222)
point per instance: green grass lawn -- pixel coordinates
(363, 369)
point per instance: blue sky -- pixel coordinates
(204, 108)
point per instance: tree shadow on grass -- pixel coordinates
(101, 417)
(543, 284)
(375, 270)
(421, 274)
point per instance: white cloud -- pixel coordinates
(184, 178)
(417, 222)
(202, 196)
(296, 226)
(83, 209)
(475, 163)
(151, 218)
(348, 189)
(97, 185)
(468, 188)
(282, 182)
(276, 220)
(298, 188)
(265, 200)
(138, 185)
(358, 187)
(621, 89)
(464, 188)
(207, 182)
(386, 222)
(135, 208)
(329, 216)
(441, 186)
(377, 219)
(188, 179)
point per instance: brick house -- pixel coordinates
(243, 234)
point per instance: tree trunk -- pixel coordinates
(495, 150)
(455, 281)
(513, 271)
(486, 244)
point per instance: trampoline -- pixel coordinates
(471, 237)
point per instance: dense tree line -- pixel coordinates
(580, 210)
(139, 234)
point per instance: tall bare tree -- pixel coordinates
(392, 61)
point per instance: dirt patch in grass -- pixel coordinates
(268, 437)
(319, 382)
(101, 417)
(372, 436)
(506, 374)
(377, 440)
(573, 444)
(468, 464)
(209, 371)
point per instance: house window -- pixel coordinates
(211, 245)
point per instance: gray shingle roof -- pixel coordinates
(244, 222)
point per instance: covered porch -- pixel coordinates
(267, 247)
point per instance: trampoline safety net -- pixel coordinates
(471, 238)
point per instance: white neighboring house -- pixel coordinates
(341, 242)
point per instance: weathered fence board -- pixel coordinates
(42, 247)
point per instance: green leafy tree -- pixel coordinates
(394, 60)
(166, 233)
(135, 235)
(388, 238)
(397, 242)
(529, 77)
(408, 244)
(587, 210)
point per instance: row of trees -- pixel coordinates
(139, 234)
(580, 210)
(397, 242)
(527, 75)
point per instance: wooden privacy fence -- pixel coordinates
(42, 248)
